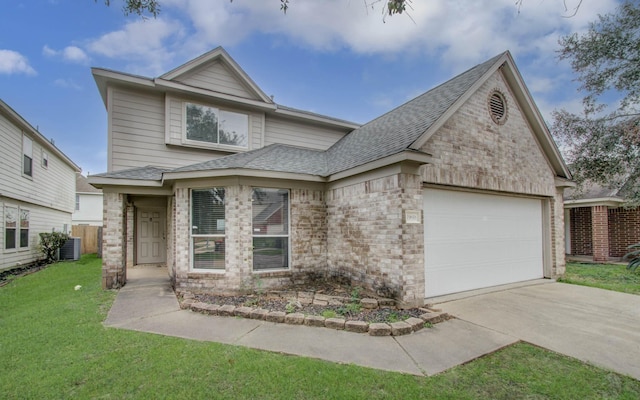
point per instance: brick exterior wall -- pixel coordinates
(600, 233)
(308, 245)
(473, 151)
(113, 241)
(624, 230)
(580, 228)
(558, 262)
(368, 241)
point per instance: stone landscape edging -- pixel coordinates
(398, 328)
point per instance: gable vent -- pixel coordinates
(498, 108)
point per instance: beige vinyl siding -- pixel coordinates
(53, 186)
(280, 130)
(41, 219)
(175, 110)
(217, 77)
(138, 134)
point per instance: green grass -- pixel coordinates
(53, 346)
(604, 276)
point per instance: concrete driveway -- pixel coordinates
(594, 325)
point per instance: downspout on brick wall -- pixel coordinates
(600, 233)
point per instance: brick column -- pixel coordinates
(600, 233)
(113, 241)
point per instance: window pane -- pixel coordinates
(234, 128)
(202, 123)
(24, 237)
(10, 217)
(24, 219)
(27, 165)
(10, 238)
(208, 252)
(270, 253)
(207, 211)
(270, 211)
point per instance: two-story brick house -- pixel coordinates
(459, 188)
(37, 188)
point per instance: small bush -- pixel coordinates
(633, 257)
(50, 243)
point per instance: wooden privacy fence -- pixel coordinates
(91, 238)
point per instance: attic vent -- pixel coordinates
(498, 108)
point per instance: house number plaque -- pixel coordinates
(412, 217)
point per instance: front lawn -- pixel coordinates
(604, 276)
(53, 346)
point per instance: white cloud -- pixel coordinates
(72, 54)
(67, 84)
(146, 44)
(12, 62)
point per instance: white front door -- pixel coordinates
(151, 241)
(477, 240)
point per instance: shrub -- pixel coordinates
(50, 243)
(633, 257)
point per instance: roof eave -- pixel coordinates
(100, 182)
(246, 172)
(612, 202)
(317, 118)
(407, 156)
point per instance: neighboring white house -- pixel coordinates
(37, 187)
(88, 209)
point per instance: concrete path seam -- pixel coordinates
(415, 362)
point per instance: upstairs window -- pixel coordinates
(217, 127)
(27, 156)
(77, 202)
(45, 159)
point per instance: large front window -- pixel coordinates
(214, 126)
(207, 228)
(270, 222)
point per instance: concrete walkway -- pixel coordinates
(598, 326)
(147, 304)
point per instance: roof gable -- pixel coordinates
(217, 71)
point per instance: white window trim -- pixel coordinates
(207, 145)
(45, 160)
(24, 153)
(219, 271)
(288, 236)
(18, 248)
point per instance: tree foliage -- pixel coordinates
(603, 142)
(152, 7)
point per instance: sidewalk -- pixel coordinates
(147, 304)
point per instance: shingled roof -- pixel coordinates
(387, 135)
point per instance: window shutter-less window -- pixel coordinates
(27, 156)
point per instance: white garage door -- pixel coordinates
(477, 240)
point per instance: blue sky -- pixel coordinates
(334, 57)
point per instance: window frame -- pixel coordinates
(223, 235)
(77, 207)
(17, 229)
(214, 145)
(45, 160)
(26, 139)
(286, 236)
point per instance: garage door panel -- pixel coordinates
(475, 240)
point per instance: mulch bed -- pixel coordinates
(8, 275)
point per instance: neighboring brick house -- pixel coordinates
(459, 188)
(598, 225)
(37, 187)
